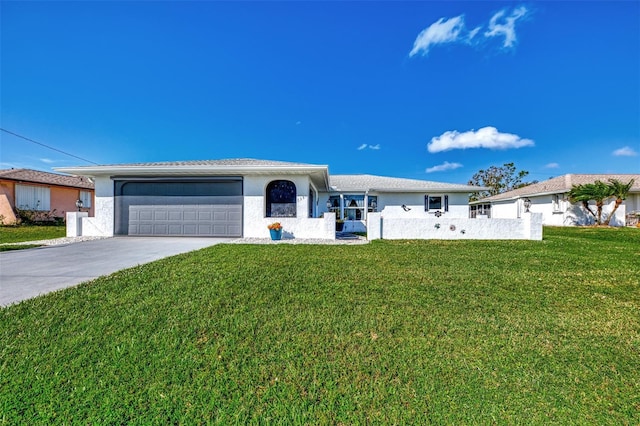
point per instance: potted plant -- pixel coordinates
(276, 230)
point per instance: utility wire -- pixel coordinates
(47, 146)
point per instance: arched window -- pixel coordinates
(281, 199)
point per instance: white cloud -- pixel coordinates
(47, 160)
(441, 31)
(552, 166)
(507, 27)
(365, 146)
(487, 137)
(454, 30)
(626, 151)
(444, 167)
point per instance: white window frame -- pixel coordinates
(33, 198)
(85, 197)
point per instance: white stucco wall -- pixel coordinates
(101, 224)
(254, 210)
(390, 205)
(566, 214)
(529, 227)
(74, 223)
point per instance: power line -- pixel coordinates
(47, 146)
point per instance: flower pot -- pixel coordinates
(276, 234)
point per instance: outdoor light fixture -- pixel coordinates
(329, 205)
(527, 204)
(79, 204)
(374, 205)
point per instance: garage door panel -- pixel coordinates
(144, 215)
(175, 215)
(204, 215)
(189, 214)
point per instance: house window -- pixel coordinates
(480, 210)
(30, 197)
(556, 201)
(436, 202)
(85, 197)
(354, 207)
(372, 203)
(281, 199)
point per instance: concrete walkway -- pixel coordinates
(28, 273)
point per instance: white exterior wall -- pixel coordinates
(74, 223)
(255, 221)
(529, 227)
(102, 223)
(566, 214)
(391, 205)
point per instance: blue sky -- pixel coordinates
(423, 90)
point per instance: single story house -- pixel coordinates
(47, 194)
(240, 197)
(551, 199)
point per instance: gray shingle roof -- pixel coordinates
(563, 184)
(37, 176)
(230, 162)
(359, 183)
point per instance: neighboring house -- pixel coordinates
(48, 193)
(551, 199)
(240, 197)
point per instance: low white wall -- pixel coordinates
(320, 228)
(529, 227)
(74, 223)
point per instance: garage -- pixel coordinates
(202, 207)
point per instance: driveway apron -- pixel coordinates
(31, 272)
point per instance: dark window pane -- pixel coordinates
(435, 203)
(281, 199)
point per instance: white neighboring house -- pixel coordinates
(550, 198)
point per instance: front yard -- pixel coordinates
(18, 234)
(404, 332)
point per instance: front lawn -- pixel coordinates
(18, 234)
(404, 332)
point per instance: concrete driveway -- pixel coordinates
(28, 273)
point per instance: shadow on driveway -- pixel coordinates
(31, 272)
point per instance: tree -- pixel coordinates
(597, 191)
(498, 180)
(620, 191)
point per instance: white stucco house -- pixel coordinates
(550, 198)
(240, 197)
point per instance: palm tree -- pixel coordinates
(620, 191)
(597, 191)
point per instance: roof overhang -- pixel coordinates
(319, 175)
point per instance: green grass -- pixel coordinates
(18, 234)
(404, 332)
(18, 247)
